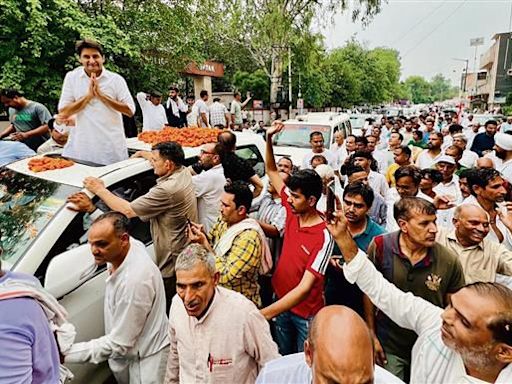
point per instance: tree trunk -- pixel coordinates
(277, 74)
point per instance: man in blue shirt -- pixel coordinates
(28, 352)
(484, 141)
(357, 201)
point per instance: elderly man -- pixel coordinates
(209, 185)
(285, 164)
(468, 342)
(469, 158)
(481, 258)
(335, 332)
(412, 260)
(238, 242)
(449, 187)
(217, 335)
(503, 150)
(135, 342)
(167, 206)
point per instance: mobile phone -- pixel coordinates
(331, 202)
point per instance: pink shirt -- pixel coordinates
(230, 343)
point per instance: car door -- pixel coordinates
(84, 303)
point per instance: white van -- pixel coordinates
(293, 140)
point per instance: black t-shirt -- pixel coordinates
(236, 168)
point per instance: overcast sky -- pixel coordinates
(428, 34)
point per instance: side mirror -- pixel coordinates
(69, 270)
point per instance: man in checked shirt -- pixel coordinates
(238, 242)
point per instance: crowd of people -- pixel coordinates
(377, 260)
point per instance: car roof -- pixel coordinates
(75, 174)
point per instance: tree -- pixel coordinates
(419, 88)
(441, 89)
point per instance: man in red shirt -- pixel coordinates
(307, 246)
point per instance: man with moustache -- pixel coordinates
(175, 108)
(470, 341)
(217, 335)
(412, 260)
(481, 258)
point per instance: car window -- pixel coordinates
(252, 154)
(297, 134)
(27, 205)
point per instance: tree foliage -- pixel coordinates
(423, 91)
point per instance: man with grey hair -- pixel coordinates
(217, 335)
(469, 158)
(481, 257)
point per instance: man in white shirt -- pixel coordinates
(236, 110)
(202, 110)
(507, 125)
(98, 97)
(336, 332)
(316, 139)
(468, 342)
(175, 107)
(503, 150)
(469, 158)
(428, 157)
(153, 112)
(488, 190)
(209, 185)
(217, 335)
(448, 187)
(339, 150)
(376, 180)
(136, 342)
(219, 116)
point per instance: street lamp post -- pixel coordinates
(465, 73)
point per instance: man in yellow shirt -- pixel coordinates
(401, 156)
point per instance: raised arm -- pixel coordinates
(405, 309)
(270, 162)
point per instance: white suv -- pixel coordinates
(40, 236)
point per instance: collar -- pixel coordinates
(452, 236)
(395, 249)
(210, 308)
(164, 178)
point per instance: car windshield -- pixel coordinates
(297, 134)
(358, 121)
(27, 204)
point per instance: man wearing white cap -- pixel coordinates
(449, 187)
(503, 150)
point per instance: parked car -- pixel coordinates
(40, 236)
(293, 140)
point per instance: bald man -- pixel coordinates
(484, 162)
(339, 349)
(481, 258)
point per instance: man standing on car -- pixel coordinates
(135, 344)
(99, 98)
(167, 206)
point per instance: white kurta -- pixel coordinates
(209, 186)
(153, 116)
(99, 132)
(136, 342)
(432, 361)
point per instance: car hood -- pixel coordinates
(296, 154)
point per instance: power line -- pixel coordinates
(434, 29)
(416, 25)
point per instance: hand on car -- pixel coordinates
(144, 154)
(93, 184)
(81, 203)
